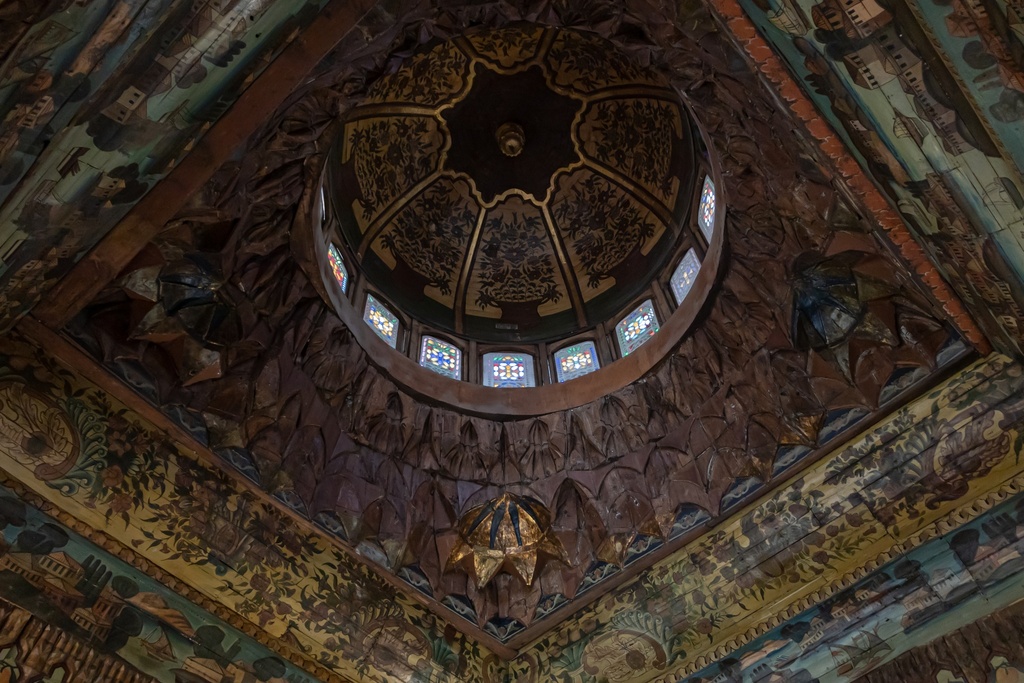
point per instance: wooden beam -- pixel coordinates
(252, 109)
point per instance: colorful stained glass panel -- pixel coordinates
(637, 327)
(441, 357)
(383, 321)
(338, 267)
(575, 361)
(508, 370)
(684, 276)
(706, 215)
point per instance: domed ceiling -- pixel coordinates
(522, 183)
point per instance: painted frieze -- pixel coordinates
(103, 467)
(927, 97)
(857, 634)
(103, 605)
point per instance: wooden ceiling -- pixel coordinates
(155, 160)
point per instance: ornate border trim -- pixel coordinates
(126, 554)
(952, 521)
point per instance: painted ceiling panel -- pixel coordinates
(100, 101)
(651, 461)
(909, 119)
(117, 607)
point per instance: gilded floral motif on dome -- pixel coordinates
(515, 263)
(634, 137)
(561, 163)
(507, 47)
(408, 144)
(623, 228)
(583, 63)
(428, 235)
(427, 79)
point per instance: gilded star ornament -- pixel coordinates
(509, 533)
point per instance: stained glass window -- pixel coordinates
(508, 370)
(383, 321)
(684, 275)
(338, 267)
(706, 217)
(575, 361)
(637, 327)
(441, 357)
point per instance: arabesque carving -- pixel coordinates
(220, 327)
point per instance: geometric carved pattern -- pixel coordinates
(748, 395)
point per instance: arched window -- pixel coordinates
(383, 321)
(637, 327)
(684, 276)
(706, 212)
(575, 361)
(338, 267)
(505, 369)
(441, 357)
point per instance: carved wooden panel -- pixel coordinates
(217, 324)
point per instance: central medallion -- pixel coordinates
(511, 139)
(514, 108)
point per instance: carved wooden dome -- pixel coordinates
(516, 184)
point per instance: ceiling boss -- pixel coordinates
(509, 533)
